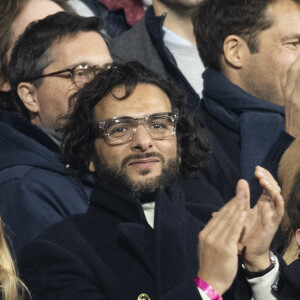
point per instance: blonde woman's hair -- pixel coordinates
(11, 287)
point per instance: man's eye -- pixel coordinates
(119, 130)
(158, 126)
(294, 43)
(80, 73)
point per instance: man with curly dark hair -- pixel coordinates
(192, 145)
(139, 237)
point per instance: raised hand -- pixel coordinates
(218, 241)
(262, 223)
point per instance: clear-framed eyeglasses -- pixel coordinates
(79, 75)
(121, 130)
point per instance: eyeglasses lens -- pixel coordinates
(82, 75)
(122, 131)
(160, 127)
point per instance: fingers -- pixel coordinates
(270, 204)
(218, 241)
(226, 225)
(238, 203)
(267, 181)
(279, 206)
(292, 78)
(243, 193)
(263, 220)
(228, 221)
(270, 211)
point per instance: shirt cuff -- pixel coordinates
(262, 286)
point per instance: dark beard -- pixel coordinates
(145, 190)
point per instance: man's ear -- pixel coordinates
(297, 236)
(92, 166)
(234, 48)
(28, 94)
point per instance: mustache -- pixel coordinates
(142, 156)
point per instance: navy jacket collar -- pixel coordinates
(23, 125)
(112, 199)
(129, 209)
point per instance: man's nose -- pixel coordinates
(141, 140)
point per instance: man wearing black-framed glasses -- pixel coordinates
(44, 76)
(51, 60)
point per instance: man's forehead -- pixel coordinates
(145, 99)
(285, 17)
(83, 48)
(282, 10)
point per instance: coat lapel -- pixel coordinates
(133, 225)
(170, 244)
(140, 237)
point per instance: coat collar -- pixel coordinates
(113, 199)
(129, 209)
(18, 122)
(163, 251)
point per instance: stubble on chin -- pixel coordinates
(143, 186)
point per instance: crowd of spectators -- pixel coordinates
(149, 149)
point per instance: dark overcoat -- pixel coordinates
(111, 252)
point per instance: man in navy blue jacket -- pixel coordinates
(36, 189)
(139, 237)
(251, 49)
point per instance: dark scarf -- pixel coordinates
(257, 122)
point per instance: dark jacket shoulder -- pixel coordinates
(36, 187)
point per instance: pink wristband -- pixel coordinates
(207, 289)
